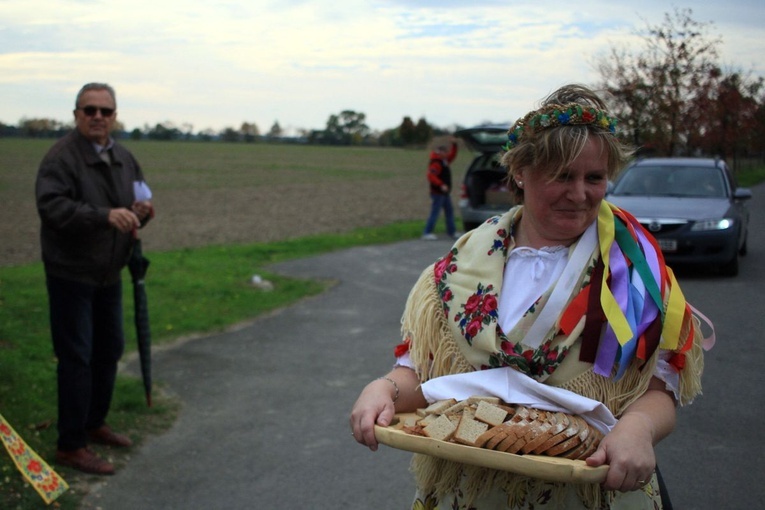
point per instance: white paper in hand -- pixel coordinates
(141, 191)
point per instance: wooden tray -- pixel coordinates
(535, 466)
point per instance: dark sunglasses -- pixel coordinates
(91, 111)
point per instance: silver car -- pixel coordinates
(692, 206)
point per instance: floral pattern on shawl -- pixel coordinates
(501, 243)
(481, 309)
(475, 311)
(444, 267)
(535, 362)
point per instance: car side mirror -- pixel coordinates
(742, 194)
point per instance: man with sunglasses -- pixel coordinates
(91, 198)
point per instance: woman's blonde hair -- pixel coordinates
(550, 138)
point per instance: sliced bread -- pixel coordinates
(442, 428)
(469, 430)
(566, 431)
(490, 413)
(501, 433)
(570, 444)
(476, 399)
(437, 407)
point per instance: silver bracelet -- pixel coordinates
(395, 397)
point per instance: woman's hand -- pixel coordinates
(628, 448)
(376, 406)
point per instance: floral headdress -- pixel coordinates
(554, 115)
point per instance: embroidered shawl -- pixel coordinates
(603, 344)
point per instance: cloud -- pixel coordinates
(297, 62)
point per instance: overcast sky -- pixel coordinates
(218, 64)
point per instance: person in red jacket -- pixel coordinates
(440, 180)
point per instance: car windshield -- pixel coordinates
(671, 180)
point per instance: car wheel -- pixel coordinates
(730, 268)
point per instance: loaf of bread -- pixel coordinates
(486, 422)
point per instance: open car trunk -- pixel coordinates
(485, 192)
(485, 183)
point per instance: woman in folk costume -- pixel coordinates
(565, 289)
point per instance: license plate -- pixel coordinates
(668, 245)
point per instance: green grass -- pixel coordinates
(190, 291)
(751, 176)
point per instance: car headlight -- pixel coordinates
(716, 224)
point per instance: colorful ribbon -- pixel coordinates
(635, 294)
(48, 484)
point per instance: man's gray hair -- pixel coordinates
(95, 86)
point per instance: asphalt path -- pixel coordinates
(264, 422)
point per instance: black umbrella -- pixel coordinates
(138, 264)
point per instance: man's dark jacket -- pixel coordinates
(75, 190)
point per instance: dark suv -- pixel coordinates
(484, 190)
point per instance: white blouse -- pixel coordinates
(532, 271)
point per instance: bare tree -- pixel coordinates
(654, 89)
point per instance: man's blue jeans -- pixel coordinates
(439, 202)
(88, 340)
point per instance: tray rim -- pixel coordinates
(552, 469)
